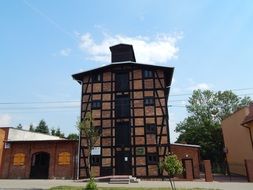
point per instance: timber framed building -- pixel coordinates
(128, 103)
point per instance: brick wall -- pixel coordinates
(3, 135)
(54, 148)
(188, 152)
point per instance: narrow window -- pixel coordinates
(152, 158)
(149, 101)
(148, 74)
(151, 128)
(95, 160)
(122, 106)
(97, 78)
(96, 104)
(123, 134)
(122, 82)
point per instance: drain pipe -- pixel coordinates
(79, 141)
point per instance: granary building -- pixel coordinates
(128, 103)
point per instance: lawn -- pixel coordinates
(118, 188)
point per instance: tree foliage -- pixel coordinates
(53, 131)
(42, 127)
(31, 128)
(90, 133)
(91, 185)
(19, 126)
(73, 136)
(59, 133)
(203, 125)
(172, 166)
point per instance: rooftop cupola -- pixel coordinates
(122, 52)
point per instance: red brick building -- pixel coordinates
(25, 154)
(188, 153)
(128, 102)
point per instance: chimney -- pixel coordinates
(122, 52)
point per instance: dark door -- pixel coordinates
(40, 165)
(123, 161)
(122, 134)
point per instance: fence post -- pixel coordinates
(208, 171)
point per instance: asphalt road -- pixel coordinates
(46, 184)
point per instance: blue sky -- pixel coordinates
(44, 42)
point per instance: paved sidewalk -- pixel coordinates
(46, 184)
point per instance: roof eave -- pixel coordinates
(79, 76)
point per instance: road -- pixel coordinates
(46, 184)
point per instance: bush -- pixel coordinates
(91, 185)
(172, 166)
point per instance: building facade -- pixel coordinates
(237, 132)
(30, 155)
(188, 153)
(128, 103)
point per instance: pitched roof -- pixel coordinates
(24, 135)
(188, 145)
(168, 70)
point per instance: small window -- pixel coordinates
(64, 158)
(95, 160)
(99, 129)
(151, 128)
(96, 104)
(149, 101)
(19, 159)
(148, 74)
(152, 158)
(97, 78)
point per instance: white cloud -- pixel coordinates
(5, 120)
(65, 52)
(201, 86)
(157, 50)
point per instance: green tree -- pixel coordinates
(73, 136)
(31, 128)
(91, 135)
(59, 133)
(206, 110)
(42, 127)
(53, 131)
(172, 166)
(19, 126)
